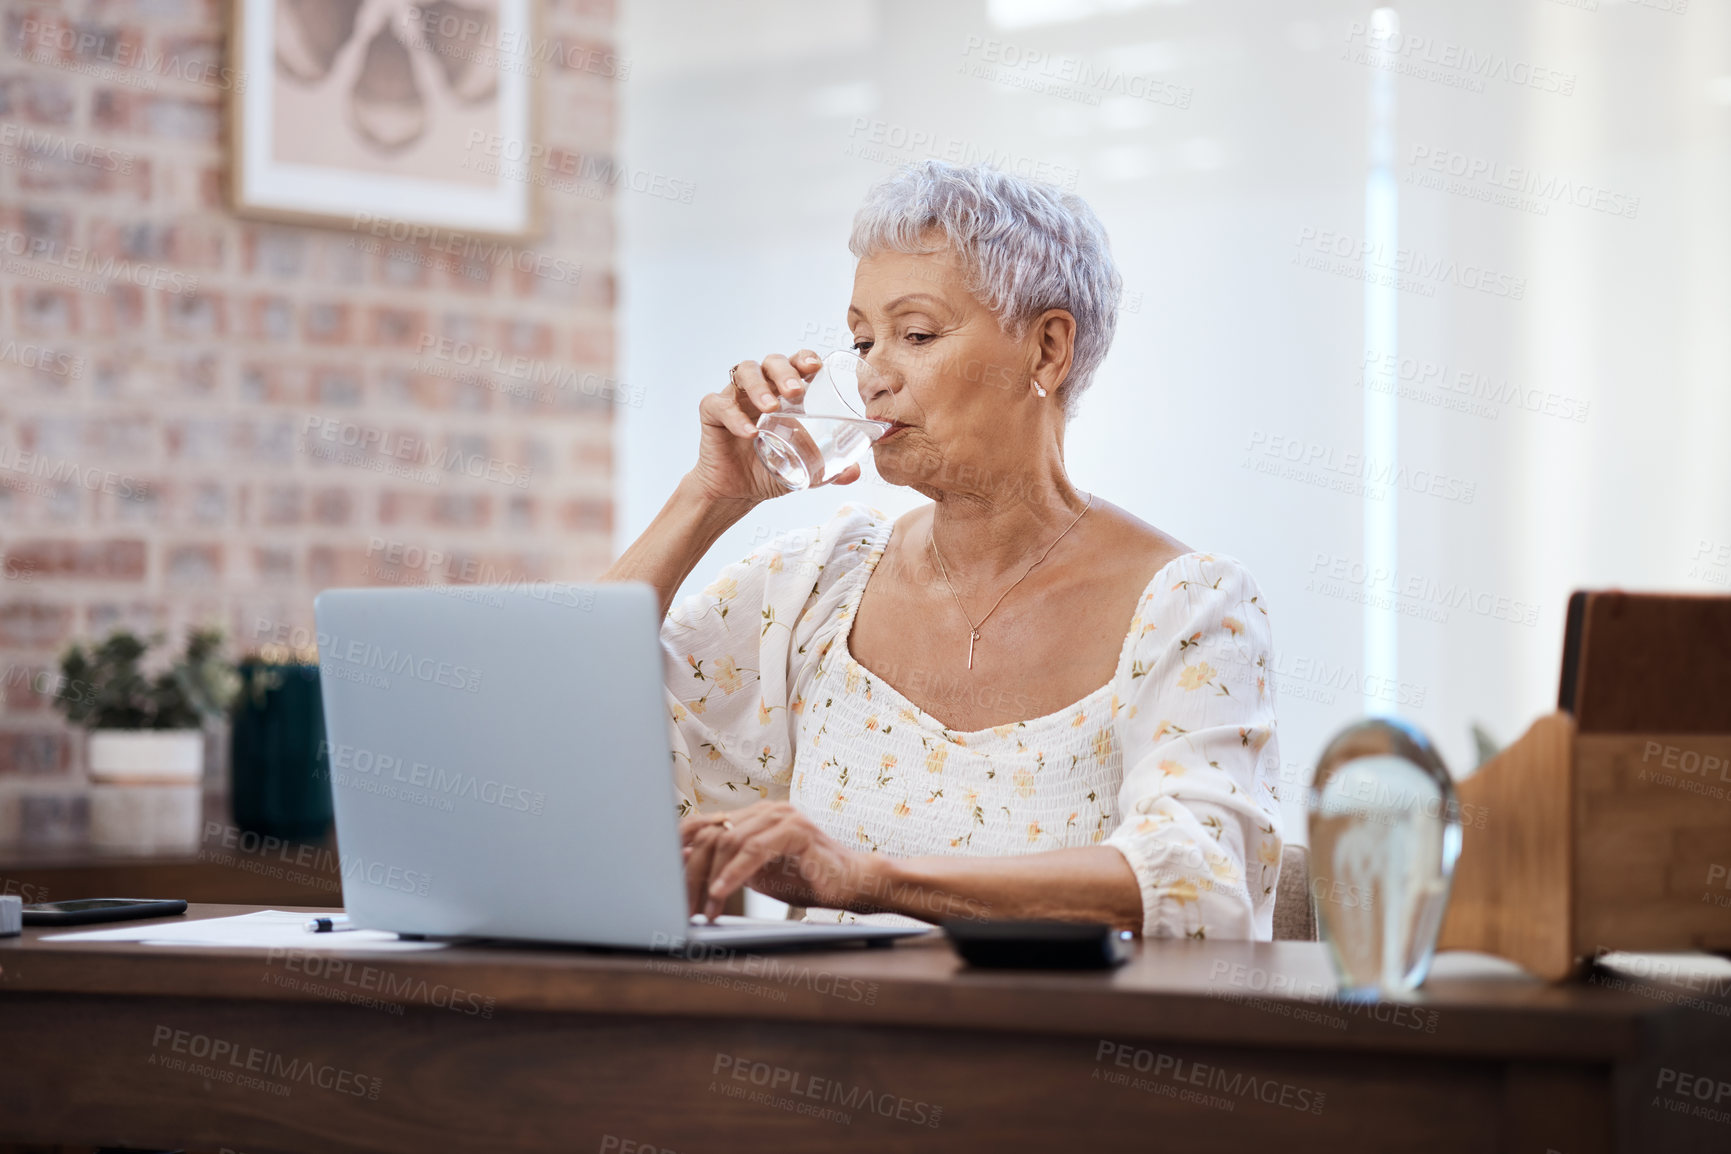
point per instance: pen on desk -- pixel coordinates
(329, 925)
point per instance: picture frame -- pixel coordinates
(351, 112)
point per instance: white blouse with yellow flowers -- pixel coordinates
(1173, 762)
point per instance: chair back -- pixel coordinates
(1294, 914)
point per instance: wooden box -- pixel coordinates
(1607, 826)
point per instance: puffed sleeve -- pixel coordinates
(736, 657)
(1200, 812)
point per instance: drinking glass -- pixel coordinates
(1385, 832)
(814, 440)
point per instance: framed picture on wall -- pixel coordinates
(360, 111)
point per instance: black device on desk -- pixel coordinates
(81, 911)
(1036, 945)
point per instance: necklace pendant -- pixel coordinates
(973, 636)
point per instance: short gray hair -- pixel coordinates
(1026, 247)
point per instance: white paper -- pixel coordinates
(267, 929)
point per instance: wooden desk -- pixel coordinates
(504, 1049)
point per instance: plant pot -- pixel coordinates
(279, 771)
(146, 790)
(146, 756)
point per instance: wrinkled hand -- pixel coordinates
(774, 849)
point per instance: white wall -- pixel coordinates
(771, 109)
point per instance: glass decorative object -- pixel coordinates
(1385, 833)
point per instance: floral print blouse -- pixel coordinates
(1173, 762)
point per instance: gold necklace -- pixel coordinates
(974, 626)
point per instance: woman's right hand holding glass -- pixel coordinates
(728, 467)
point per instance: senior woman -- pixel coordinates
(1016, 701)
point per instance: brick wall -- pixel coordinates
(231, 415)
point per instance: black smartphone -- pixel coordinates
(81, 911)
(1028, 945)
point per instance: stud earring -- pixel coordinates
(1039, 389)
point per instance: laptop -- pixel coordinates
(500, 768)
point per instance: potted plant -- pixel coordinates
(146, 749)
